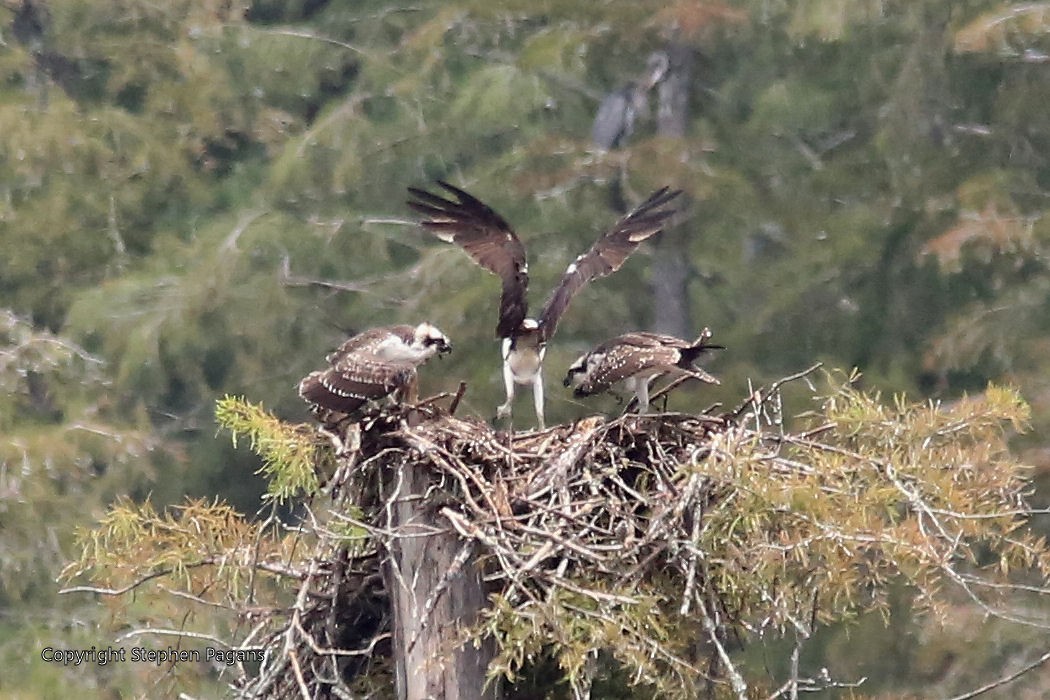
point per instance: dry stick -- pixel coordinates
(1004, 680)
(286, 279)
(335, 582)
(760, 395)
(735, 679)
(258, 544)
(430, 400)
(210, 561)
(695, 554)
(303, 689)
(196, 599)
(120, 591)
(334, 651)
(177, 633)
(456, 399)
(502, 554)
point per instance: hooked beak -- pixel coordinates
(570, 376)
(444, 348)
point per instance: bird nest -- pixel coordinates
(586, 514)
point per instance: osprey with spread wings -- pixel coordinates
(492, 244)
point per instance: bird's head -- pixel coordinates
(577, 372)
(430, 338)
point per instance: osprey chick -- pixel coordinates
(492, 244)
(633, 360)
(376, 363)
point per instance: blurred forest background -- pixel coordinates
(204, 197)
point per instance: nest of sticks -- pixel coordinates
(589, 508)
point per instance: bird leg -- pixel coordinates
(407, 393)
(410, 397)
(641, 390)
(537, 398)
(504, 410)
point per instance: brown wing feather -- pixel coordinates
(487, 238)
(644, 339)
(367, 341)
(353, 380)
(624, 360)
(607, 255)
(632, 353)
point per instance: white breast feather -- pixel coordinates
(524, 363)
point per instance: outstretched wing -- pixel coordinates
(487, 238)
(607, 254)
(354, 379)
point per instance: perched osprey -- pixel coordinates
(373, 364)
(493, 245)
(634, 360)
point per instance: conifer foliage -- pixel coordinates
(650, 549)
(199, 198)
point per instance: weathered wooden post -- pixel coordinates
(435, 591)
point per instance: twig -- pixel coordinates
(736, 681)
(176, 633)
(287, 279)
(1004, 680)
(457, 398)
(757, 397)
(304, 691)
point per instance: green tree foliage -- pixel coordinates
(776, 531)
(207, 196)
(65, 454)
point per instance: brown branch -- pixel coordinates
(457, 398)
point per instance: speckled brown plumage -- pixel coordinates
(635, 359)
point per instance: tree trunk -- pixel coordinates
(435, 592)
(670, 282)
